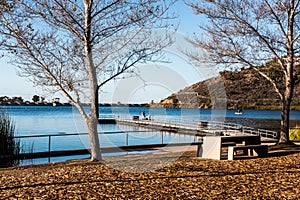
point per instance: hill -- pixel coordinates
(244, 89)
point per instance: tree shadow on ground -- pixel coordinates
(283, 149)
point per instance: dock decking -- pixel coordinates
(178, 128)
(199, 128)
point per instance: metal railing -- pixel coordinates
(267, 133)
(211, 126)
(161, 140)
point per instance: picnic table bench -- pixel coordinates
(257, 150)
(250, 145)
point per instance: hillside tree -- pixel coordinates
(35, 98)
(247, 33)
(77, 46)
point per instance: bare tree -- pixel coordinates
(74, 46)
(247, 33)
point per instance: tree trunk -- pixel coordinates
(92, 121)
(94, 138)
(285, 118)
(97, 102)
(289, 77)
(285, 112)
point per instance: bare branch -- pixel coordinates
(254, 33)
(276, 18)
(271, 81)
(56, 44)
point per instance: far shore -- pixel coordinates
(68, 104)
(271, 107)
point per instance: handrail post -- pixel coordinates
(49, 147)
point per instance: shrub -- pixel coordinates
(295, 133)
(9, 146)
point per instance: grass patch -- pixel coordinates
(295, 133)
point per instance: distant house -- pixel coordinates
(4, 99)
(55, 101)
(11, 101)
(17, 100)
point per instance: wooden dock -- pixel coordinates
(200, 128)
(190, 129)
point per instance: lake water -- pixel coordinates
(45, 120)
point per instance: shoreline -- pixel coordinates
(146, 105)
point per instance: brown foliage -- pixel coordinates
(186, 178)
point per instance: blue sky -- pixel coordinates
(13, 85)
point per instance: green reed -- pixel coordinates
(9, 146)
